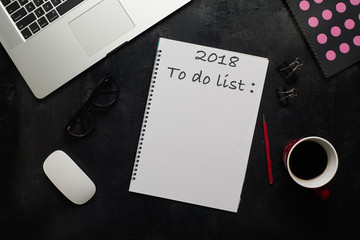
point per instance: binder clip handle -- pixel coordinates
(287, 70)
(283, 95)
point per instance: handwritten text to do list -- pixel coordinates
(201, 77)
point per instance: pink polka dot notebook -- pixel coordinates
(332, 28)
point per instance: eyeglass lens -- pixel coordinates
(105, 93)
(82, 125)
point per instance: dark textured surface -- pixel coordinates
(30, 129)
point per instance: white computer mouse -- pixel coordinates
(68, 177)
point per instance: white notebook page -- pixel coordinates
(198, 130)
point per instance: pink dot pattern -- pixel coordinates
(344, 48)
(349, 24)
(313, 22)
(341, 7)
(338, 30)
(322, 38)
(330, 55)
(327, 14)
(335, 31)
(356, 41)
(304, 5)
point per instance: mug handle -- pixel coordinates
(322, 192)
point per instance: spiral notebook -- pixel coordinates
(198, 125)
(332, 29)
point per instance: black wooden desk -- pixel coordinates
(30, 129)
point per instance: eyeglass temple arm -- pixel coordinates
(80, 112)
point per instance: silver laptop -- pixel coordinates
(52, 41)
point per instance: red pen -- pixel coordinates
(267, 149)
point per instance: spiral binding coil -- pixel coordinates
(146, 115)
(307, 38)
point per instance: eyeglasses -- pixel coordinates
(104, 95)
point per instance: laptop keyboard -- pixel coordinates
(30, 16)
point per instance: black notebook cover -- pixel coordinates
(332, 29)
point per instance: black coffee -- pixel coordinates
(308, 160)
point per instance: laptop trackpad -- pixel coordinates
(101, 25)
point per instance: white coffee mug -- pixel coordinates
(319, 182)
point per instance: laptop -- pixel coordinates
(52, 41)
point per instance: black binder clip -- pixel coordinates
(283, 95)
(287, 69)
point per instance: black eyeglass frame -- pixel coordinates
(86, 107)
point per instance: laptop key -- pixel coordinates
(47, 6)
(23, 2)
(12, 7)
(34, 27)
(68, 5)
(56, 2)
(38, 2)
(43, 22)
(26, 33)
(30, 7)
(39, 12)
(18, 14)
(26, 21)
(52, 15)
(5, 2)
